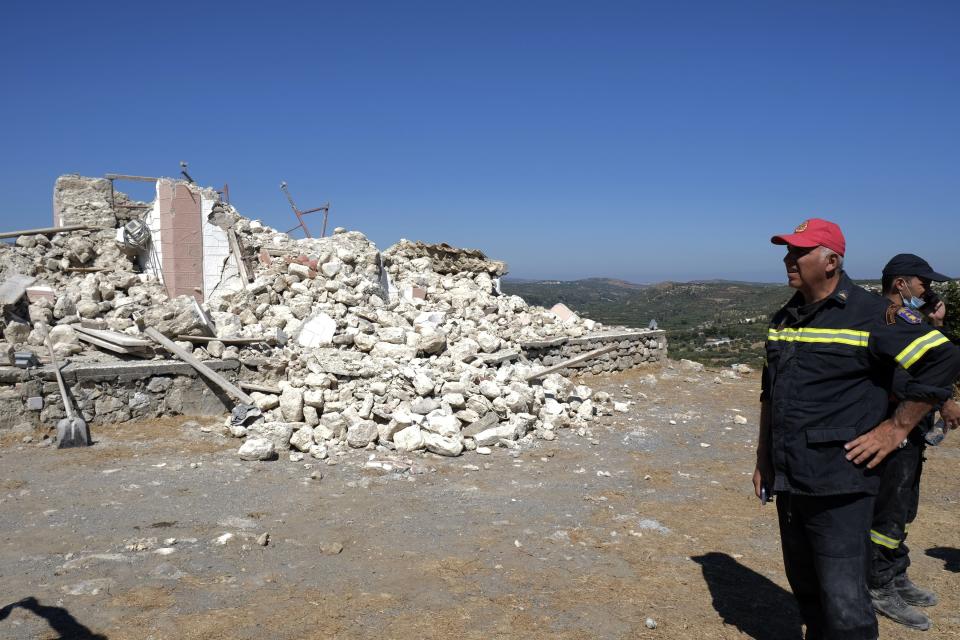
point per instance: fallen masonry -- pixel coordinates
(340, 346)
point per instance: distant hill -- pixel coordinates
(693, 313)
(675, 305)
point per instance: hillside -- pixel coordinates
(691, 312)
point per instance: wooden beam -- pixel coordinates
(117, 338)
(260, 387)
(202, 339)
(201, 368)
(45, 231)
(115, 348)
(238, 256)
(120, 176)
(572, 361)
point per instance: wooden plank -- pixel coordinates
(238, 256)
(45, 231)
(249, 386)
(115, 348)
(117, 338)
(276, 251)
(572, 361)
(202, 339)
(201, 368)
(120, 176)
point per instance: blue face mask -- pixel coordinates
(913, 302)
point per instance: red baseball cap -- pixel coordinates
(814, 232)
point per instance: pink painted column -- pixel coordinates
(182, 240)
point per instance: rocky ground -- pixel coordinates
(644, 519)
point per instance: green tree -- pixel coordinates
(950, 294)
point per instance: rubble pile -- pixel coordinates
(411, 349)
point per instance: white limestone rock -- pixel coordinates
(422, 384)
(265, 401)
(257, 449)
(488, 342)
(279, 433)
(690, 365)
(398, 352)
(444, 446)
(291, 404)
(317, 331)
(302, 439)
(493, 435)
(362, 433)
(409, 439)
(447, 426)
(490, 389)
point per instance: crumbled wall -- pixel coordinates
(633, 349)
(78, 200)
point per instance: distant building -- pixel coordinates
(716, 342)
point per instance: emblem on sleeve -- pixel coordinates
(908, 315)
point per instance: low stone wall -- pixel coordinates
(122, 391)
(110, 393)
(634, 348)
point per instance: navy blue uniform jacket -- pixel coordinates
(828, 378)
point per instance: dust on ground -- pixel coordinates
(648, 515)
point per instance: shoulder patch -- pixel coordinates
(891, 313)
(908, 315)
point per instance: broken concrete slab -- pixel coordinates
(317, 331)
(14, 287)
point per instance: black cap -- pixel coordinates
(907, 264)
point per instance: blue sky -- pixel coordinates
(636, 140)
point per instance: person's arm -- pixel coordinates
(763, 472)
(950, 412)
(876, 444)
(933, 364)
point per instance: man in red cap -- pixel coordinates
(831, 353)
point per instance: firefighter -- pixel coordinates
(906, 283)
(824, 429)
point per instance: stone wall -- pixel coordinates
(111, 393)
(634, 348)
(90, 201)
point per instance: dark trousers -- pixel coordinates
(895, 508)
(825, 555)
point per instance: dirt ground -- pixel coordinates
(648, 515)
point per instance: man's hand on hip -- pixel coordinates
(876, 444)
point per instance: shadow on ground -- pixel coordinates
(58, 618)
(749, 601)
(949, 555)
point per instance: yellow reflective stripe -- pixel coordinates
(851, 337)
(919, 347)
(884, 541)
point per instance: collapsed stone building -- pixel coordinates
(339, 345)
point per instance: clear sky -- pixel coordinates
(635, 140)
